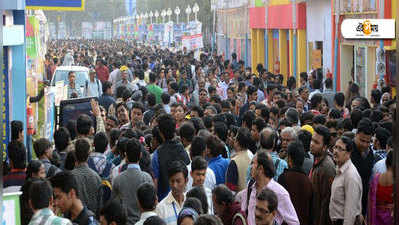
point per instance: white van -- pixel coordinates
(61, 73)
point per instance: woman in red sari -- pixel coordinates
(380, 205)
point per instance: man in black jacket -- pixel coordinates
(363, 157)
(170, 150)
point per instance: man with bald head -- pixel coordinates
(268, 141)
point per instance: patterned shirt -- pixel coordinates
(100, 161)
(379, 154)
(46, 217)
(280, 166)
(88, 183)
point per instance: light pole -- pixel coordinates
(169, 13)
(188, 12)
(156, 16)
(213, 8)
(195, 10)
(163, 14)
(145, 18)
(177, 12)
(151, 15)
(137, 19)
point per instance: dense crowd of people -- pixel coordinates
(179, 140)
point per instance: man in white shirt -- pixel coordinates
(114, 74)
(93, 87)
(169, 208)
(199, 167)
(223, 85)
(198, 148)
(148, 200)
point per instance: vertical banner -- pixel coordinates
(231, 47)
(238, 49)
(52, 30)
(33, 59)
(87, 30)
(168, 34)
(61, 30)
(31, 26)
(49, 113)
(5, 106)
(99, 30)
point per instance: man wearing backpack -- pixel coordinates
(93, 87)
(97, 160)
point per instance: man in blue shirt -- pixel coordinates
(216, 162)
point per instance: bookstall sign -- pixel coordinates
(60, 5)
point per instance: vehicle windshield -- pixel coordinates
(81, 77)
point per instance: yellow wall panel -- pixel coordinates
(279, 2)
(271, 49)
(261, 46)
(301, 51)
(291, 50)
(253, 49)
(283, 53)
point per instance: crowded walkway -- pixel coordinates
(178, 140)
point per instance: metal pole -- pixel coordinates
(337, 13)
(214, 30)
(381, 16)
(395, 137)
(1, 105)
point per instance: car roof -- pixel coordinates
(72, 68)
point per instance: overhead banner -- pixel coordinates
(59, 5)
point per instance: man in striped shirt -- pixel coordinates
(40, 204)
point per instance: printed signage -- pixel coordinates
(60, 5)
(368, 28)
